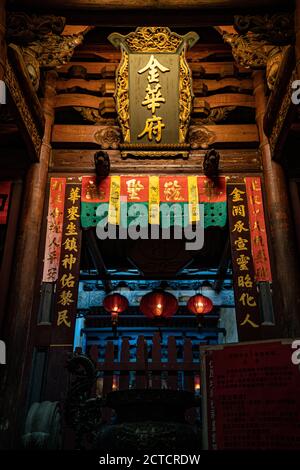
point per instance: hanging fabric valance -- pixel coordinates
(147, 197)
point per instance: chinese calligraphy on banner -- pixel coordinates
(259, 242)
(245, 291)
(54, 229)
(67, 284)
(5, 188)
(250, 396)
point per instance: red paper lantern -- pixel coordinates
(159, 304)
(200, 305)
(115, 303)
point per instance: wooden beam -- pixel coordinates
(235, 135)
(82, 161)
(106, 87)
(242, 85)
(193, 14)
(106, 106)
(223, 100)
(96, 5)
(107, 53)
(108, 70)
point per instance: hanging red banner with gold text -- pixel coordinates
(67, 284)
(245, 291)
(54, 229)
(259, 242)
(154, 193)
(5, 187)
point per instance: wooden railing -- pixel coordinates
(152, 365)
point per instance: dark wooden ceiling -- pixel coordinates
(145, 12)
(146, 4)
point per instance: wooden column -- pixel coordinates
(17, 330)
(286, 275)
(2, 39)
(297, 33)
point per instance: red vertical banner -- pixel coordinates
(68, 277)
(54, 229)
(5, 188)
(245, 291)
(259, 242)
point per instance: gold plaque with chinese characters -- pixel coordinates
(154, 95)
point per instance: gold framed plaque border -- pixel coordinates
(161, 40)
(122, 95)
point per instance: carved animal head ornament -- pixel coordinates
(211, 163)
(102, 165)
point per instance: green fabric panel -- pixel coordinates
(215, 214)
(88, 214)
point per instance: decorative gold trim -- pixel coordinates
(185, 97)
(152, 148)
(282, 115)
(155, 154)
(153, 39)
(122, 96)
(23, 109)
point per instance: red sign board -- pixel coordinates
(5, 188)
(251, 396)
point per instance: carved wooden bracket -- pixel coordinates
(50, 52)
(201, 137)
(24, 29)
(41, 42)
(108, 138)
(251, 51)
(277, 28)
